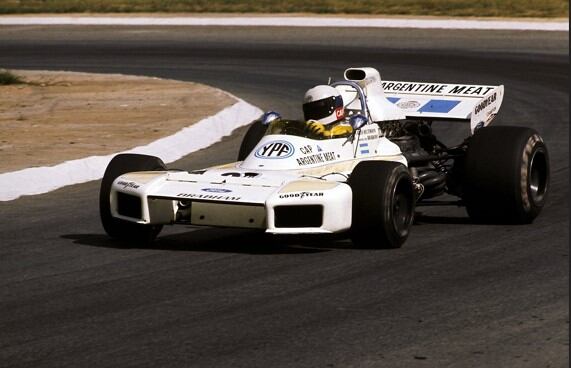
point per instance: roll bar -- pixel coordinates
(360, 92)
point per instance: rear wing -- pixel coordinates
(438, 101)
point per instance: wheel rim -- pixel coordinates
(537, 176)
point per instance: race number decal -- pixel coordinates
(275, 149)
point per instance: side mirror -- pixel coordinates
(269, 116)
(358, 121)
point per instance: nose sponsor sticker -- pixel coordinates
(275, 149)
(216, 190)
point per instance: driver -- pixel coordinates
(324, 113)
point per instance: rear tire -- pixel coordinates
(383, 204)
(506, 175)
(121, 229)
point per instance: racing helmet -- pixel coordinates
(324, 104)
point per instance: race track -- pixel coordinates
(456, 295)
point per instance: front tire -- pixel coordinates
(506, 176)
(383, 204)
(255, 132)
(117, 228)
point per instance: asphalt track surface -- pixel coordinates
(456, 295)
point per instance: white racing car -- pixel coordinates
(366, 184)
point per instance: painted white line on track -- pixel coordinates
(200, 135)
(293, 21)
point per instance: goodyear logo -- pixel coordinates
(301, 195)
(275, 149)
(485, 103)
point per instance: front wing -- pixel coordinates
(297, 206)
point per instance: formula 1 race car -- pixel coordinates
(366, 184)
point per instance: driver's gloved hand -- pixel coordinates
(315, 127)
(341, 130)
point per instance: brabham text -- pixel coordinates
(208, 196)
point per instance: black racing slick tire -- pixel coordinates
(253, 135)
(383, 204)
(506, 175)
(117, 228)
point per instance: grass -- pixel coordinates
(478, 8)
(7, 78)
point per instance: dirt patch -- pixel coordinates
(60, 116)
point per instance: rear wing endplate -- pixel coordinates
(438, 101)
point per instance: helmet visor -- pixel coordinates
(323, 108)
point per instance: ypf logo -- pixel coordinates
(275, 149)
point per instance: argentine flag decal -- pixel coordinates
(364, 148)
